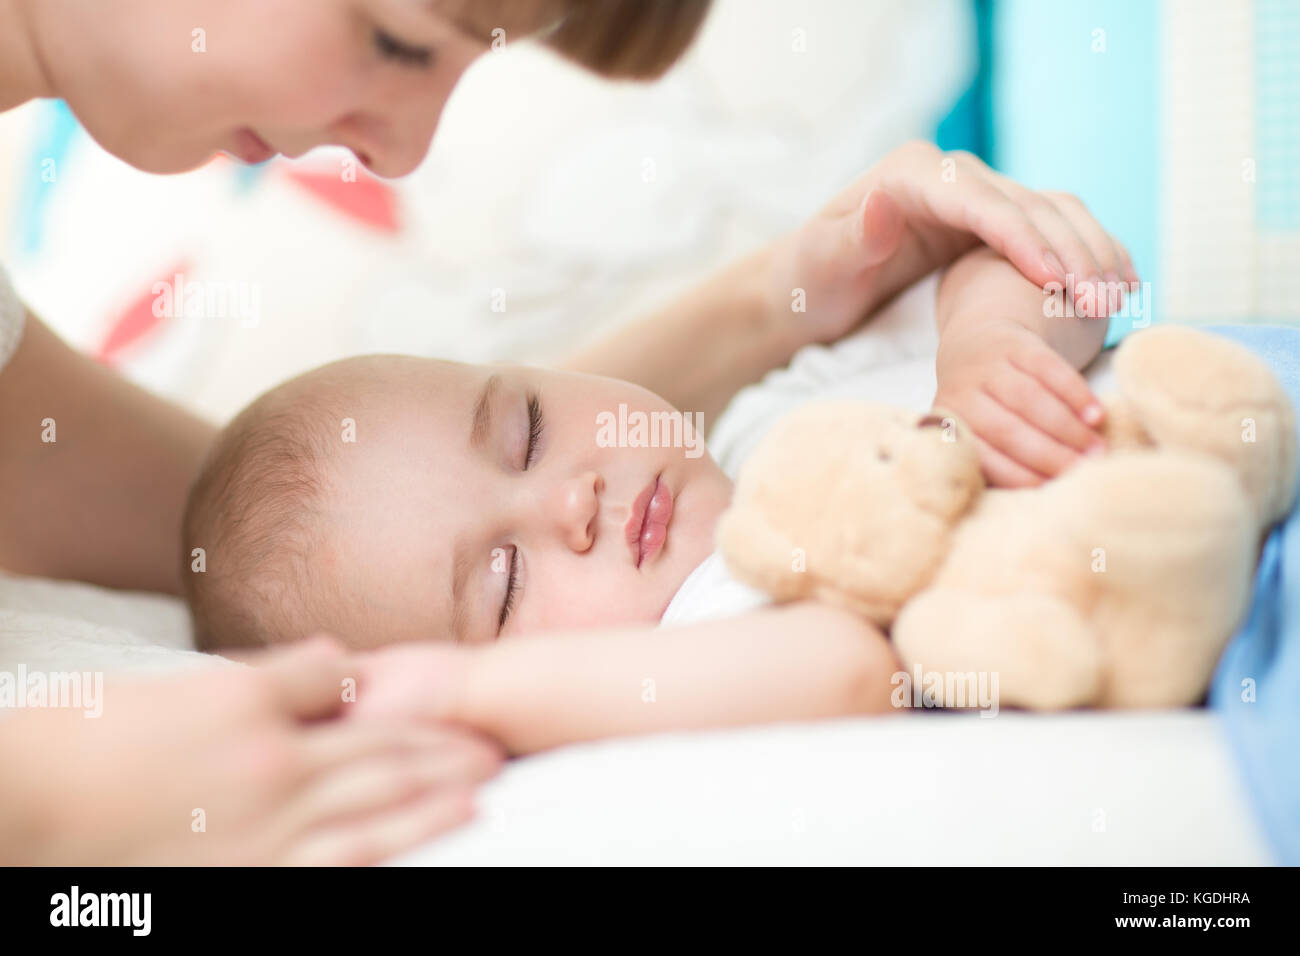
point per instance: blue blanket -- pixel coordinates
(1256, 688)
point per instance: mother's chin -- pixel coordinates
(152, 154)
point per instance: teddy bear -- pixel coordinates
(1117, 584)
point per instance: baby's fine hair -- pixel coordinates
(250, 524)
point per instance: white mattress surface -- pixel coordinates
(921, 789)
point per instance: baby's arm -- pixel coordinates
(798, 662)
(1008, 366)
(982, 287)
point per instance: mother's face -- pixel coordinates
(165, 84)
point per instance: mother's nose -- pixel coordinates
(390, 146)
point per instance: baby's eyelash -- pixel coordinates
(535, 424)
(511, 587)
(391, 48)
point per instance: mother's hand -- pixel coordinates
(232, 767)
(917, 210)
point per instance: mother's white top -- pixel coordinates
(12, 314)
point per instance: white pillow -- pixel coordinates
(65, 625)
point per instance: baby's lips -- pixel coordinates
(658, 514)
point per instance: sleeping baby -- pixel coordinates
(390, 498)
(452, 509)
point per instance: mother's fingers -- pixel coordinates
(1130, 270)
(373, 789)
(877, 229)
(374, 838)
(967, 196)
(376, 785)
(1090, 255)
(1083, 267)
(343, 742)
(306, 680)
(329, 746)
(1100, 242)
(980, 207)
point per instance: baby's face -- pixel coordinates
(479, 502)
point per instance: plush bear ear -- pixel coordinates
(942, 472)
(1198, 392)
(761, 556)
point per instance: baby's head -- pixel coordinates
(392, 498)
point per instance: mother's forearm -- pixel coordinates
(93, 470)
(706, 346)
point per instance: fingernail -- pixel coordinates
(1114, 292)
(1100, 303)
(1092, 414)
(1054, 265)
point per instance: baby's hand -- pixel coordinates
(422, 680)
(1033, 415)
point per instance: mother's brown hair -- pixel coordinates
(621, 39)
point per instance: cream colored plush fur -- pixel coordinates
(1115, 585)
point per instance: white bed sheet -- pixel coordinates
(919, 789)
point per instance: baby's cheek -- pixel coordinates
(580, 600)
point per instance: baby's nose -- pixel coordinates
(579, 506)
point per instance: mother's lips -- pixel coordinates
(647, 525)
(251, 148)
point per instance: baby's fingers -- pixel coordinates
(1020, 441)
(1030, 399)
(1001, 472)
(1063, 380)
